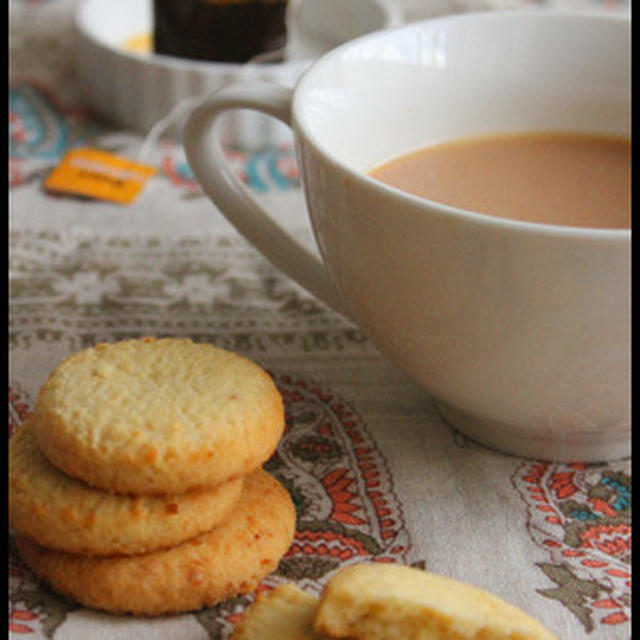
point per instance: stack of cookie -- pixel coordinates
(137, 487)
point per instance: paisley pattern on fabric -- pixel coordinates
(581, 516)
(41, 131)
(262, 171)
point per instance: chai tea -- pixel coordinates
(581, 180)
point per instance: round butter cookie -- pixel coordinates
(60, 512)
(284, 613)
(376, 601)
(213, 567)
(153, 416)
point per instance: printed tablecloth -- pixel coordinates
(373, 470)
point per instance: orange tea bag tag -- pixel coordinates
(99, 174)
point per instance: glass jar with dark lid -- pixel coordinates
(218, 30)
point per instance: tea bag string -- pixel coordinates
(186, 105)
(150, 142)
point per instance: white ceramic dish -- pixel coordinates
(136, 90)
(316, 26)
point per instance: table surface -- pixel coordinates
(376, 472)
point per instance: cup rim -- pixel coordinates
(481, 219)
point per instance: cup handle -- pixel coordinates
(210, 167)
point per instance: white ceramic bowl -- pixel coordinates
(316, 26)
(136, 90)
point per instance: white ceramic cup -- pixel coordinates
(519, 331)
